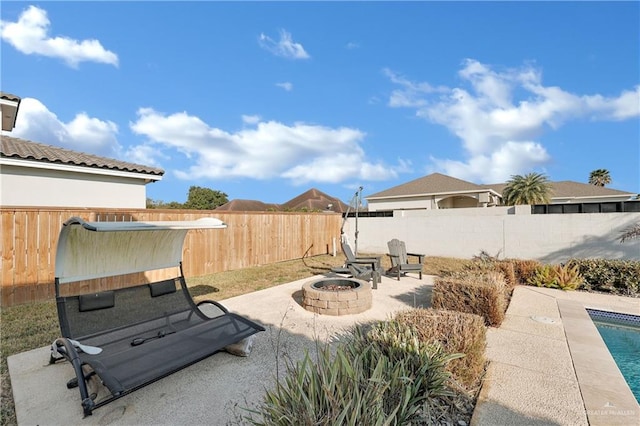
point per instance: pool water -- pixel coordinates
(621, 334)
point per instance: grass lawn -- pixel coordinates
(35, 325)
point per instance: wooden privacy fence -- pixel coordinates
(29, 239)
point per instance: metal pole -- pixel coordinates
(357, 197)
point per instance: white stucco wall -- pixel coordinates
(25, 186)
(502, 231)
(401, 203)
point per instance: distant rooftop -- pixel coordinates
(437, 183)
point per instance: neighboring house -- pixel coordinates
(431, 192)
(248, 206)
(9, 105)
(34, 174)
(438, 191)
(314, 200)
(311, 200)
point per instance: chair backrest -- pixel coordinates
(398, 252)
(348, 253)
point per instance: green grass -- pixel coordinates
(35, 325)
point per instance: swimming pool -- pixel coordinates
(621, 334)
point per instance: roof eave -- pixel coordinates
(148, 177)
(430, 194)
(9, 108)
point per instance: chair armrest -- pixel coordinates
(369, 258)
(420, 256)
(375, 263)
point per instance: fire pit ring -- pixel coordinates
(336, 296)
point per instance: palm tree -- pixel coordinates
(532, 188)
(600, 177)
(630, 233)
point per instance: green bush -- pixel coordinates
(384, 376)
(564, 277)
(484, 294)
(543, 276)
(612, 276)
(457, 332)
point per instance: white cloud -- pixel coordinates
(84, 133)
(251, 119)
(29, 35)
(299, 152)
(497, 166)
(498, 115)
(286, 86)
(352, 45)
(285, 47)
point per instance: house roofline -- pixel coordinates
(77, 169)
(426, 194)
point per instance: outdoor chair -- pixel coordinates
(400, 263)
(359, 267)
(120, 339)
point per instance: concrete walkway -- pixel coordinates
(549, 365)
(531, 378)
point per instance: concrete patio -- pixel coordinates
(547, 365)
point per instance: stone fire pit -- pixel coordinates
(336, 296)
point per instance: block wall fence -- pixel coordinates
(508, 232)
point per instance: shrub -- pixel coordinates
(331, 391)
(568, 277)
(483, 294)
(543, 276)
(612, 276)
(564, 277)
(457, 332)
(386, 375)
(509, 271)
(524, 269)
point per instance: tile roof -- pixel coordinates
(437, 183)
(568, 189)
(11, 147)
(314, 199)
(9, 97)
(311, 200)
(434, 183)
(248, 206)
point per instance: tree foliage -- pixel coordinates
(532, 188)
(159, 204)
(198, 198)
(204, 198)
(600, 177)
(630, 233)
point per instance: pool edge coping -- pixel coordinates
(607, 398)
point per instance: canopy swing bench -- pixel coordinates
(121, 340)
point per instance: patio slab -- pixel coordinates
(218, 389)
(534, 376)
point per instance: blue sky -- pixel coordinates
(264, 100)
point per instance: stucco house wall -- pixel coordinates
(24, 186)
(38, 175)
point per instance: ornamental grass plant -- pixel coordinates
(457, 332)
(385, 374)
(484, 294)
